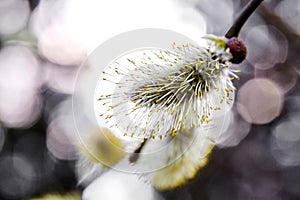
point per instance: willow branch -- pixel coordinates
(242, 18)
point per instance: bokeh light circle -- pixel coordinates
(17, 176)
(20, 101)
(13, 15)
(259, 101)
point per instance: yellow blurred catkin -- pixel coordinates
(102, 147)
(185, 168)
(57, 196)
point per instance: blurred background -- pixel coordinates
(44, 42)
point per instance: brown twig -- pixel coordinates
(242, 18)
(135, 155)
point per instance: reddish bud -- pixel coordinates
(238, 50)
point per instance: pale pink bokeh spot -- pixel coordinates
(284, 75)
(259, 101)
(20, 101)
(14, 15)
(266, 46)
